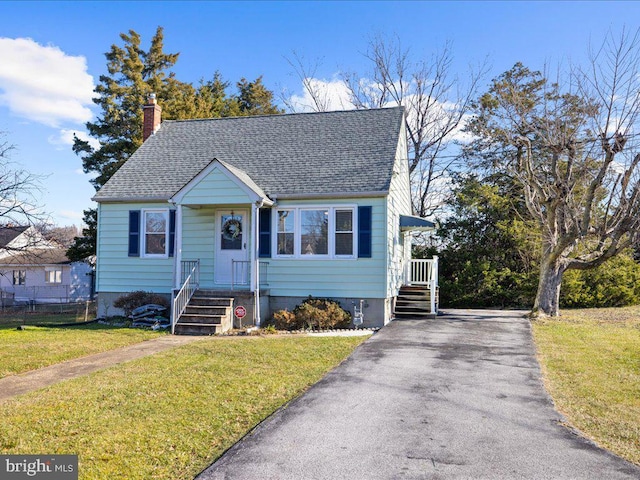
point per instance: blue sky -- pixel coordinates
(52, 53)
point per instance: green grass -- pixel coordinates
(169, 415)
(36, 347)
(591, 363)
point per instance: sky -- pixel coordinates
(52, 55)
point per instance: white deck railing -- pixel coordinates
(190, 284)
(241, 273)
(424, 272)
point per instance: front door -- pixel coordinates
(231, 262)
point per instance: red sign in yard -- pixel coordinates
(240, 311)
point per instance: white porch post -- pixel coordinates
(178, 249)
(255, 262)
(434, 283)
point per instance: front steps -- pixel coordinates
(206, 314)
(414, 302)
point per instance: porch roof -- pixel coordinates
(325, 153)
(410, 223)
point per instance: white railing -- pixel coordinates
(241, 273)
(189, 286)
(424, 272)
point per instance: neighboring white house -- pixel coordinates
(275, 208)
(33, 269)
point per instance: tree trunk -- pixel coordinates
(548, 296)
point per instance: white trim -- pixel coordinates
(297, 232)
(143, 233)
(332, 195)
(54, 270)
(177, 252)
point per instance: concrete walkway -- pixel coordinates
(459, 397)
(43, 377)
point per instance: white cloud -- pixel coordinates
(44, 84)
(64, 139)
(333, 94)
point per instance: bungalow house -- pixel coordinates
(34, 269)
(261, 212)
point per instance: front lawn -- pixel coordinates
(591, 364)
(169, 415)
(36, 347)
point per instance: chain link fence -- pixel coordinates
(36, 313)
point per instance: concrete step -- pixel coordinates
(413, 302)
(206, 310)
(202, 300)
(202, 319)
(185, 328)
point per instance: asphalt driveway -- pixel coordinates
(452, 398)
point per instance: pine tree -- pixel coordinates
(134, 73)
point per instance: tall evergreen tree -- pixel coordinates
(134, 73)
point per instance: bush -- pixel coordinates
(284, 320)
(313, 313)
(133, 300)
(616, 283)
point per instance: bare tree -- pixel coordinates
(434, 99)
(18, 191)
(306, 74)
(573, 146)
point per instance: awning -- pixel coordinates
(409, 223)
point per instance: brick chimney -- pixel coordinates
(152, 117)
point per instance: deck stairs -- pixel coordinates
(414, 303)
(207, 313)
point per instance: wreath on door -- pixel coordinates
(232, 228)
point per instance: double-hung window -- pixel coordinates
(52, 275)
(285, 239)
(344, 232)
(315, 232)
(155, 225)
(19, 277)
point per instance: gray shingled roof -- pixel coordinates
(37, 256)
(8, 234)
(306, 153)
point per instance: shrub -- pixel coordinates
(313, 313)
(269, 330)
(138, 298)
(284, 320)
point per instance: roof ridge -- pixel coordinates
(292, 114)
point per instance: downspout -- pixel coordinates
(256, 210)
(177, 261)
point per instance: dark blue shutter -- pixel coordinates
(264, 228)
(172, 232)
(134, 233)
(364, 232)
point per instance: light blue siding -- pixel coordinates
(358, 277)
(398, 203)
(355, 278)
(216, 188)
(115, 270)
